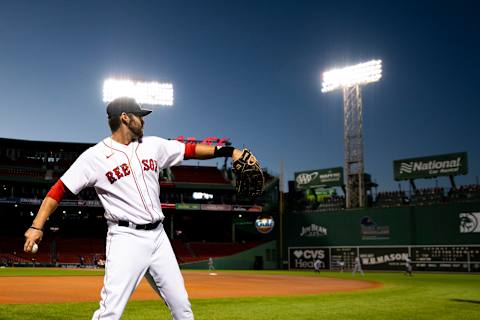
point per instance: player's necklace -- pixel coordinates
(111, 148)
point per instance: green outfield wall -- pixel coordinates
(436, 238)
(432, 225)
(261, 257)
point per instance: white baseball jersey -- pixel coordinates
(357, 267)
(408, 263)
(125, 177)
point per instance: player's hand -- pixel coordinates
(32, 236)
(236, 154)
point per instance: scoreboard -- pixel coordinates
(424, 258)
(447, 258)
(345, 255)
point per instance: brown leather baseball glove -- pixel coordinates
(249, 175)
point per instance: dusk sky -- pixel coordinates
(251, 71)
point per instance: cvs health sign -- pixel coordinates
(304, 257)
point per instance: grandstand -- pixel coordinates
(199, 174)
(299, 202)
(204, 217)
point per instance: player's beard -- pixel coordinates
(137, 131)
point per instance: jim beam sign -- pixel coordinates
(304, 258)
(332, 177)
(313, 230)
(430, 167)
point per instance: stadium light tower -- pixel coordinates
(151, 93)
(350, 79)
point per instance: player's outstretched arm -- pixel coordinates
(204, 151)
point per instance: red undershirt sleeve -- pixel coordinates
(189, 151)
(57, 191)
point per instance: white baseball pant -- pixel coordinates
(132, 253)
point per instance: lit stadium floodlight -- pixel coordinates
(151, 93)
(358, 74)
(349, 80)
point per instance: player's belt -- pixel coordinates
(148, 226)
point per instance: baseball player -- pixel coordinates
(357, 266)
(211, 267)
(408, 266)
(317, 265)
(124, 170)
(341, 264)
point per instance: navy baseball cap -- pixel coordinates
(127, 105)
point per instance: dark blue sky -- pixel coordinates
(251, 71)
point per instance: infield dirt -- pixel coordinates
(21, 290)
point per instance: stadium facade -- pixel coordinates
(439, 229)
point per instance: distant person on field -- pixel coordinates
(211, 267)
(317, 265)
(357, 266)
(408, 266)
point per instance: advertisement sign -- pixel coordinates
(369, 230)
(441, 258)
(246, 208)
(303, 258)
(64, 203)
(313, 230)
(216, 207)
(30, 201)
(319, 194)
(332, 177)
(383, 258)
(7, 200)
(430, 167)
(469, 222)
(187, 206)
(264, 224)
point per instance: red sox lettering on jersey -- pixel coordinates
(126, 176)
(123, 170)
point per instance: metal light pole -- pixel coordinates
(349, 80)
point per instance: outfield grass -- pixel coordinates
(48, 272)
(423, 296)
